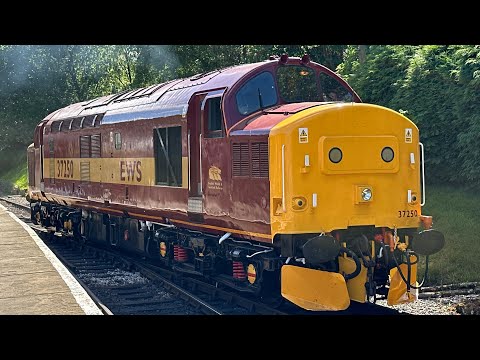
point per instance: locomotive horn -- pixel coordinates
(320, 249)
(428, 242)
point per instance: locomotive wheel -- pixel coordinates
(79, 230)
(36, 217)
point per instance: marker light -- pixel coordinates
(387, 154)
(335, 155)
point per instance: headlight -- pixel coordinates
(387, 154)
(335, 155)
(366, 194)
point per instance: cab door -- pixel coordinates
(194, 140)
(198, 131)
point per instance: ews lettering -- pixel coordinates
(130, 170)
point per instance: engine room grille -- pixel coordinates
(96, 146)
(84, 170)
(90, 146)
(52, 168)
(244, 154)
(241, 159)
(85, 146)
(260, 159)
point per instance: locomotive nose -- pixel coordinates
(367, 177)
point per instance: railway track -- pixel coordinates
(132, 286)
(122, 284)
(122, 289)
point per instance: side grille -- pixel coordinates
(241, 159)
(85, 146)
(52, 168)
(84, 170)
(244, 154)
(90, 146)
(260, 159)
(96, 146)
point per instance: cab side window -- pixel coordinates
(258, 93)
(213, 117)
(332, 90)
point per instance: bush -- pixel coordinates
(6, 187)
(438, 88)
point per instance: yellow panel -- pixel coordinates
(397, 294)
(365, 129)
(314, 289)
(131, 171)
(361, 154)
(355, 286)
(184, 172)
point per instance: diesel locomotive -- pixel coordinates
(272, 178)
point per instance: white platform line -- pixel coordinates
(78, 292)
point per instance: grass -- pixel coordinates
(13, 173)
(455, 213)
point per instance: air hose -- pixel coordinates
(409, 264)
(355, 258)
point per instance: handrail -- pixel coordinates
(283, 179)
(423, 175)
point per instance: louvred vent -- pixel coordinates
(241, 156)
(85, 146)
(96, 146)
(260, 159)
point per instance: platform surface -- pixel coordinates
(32, 280)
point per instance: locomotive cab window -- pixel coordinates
(297, 84)
(213, 117)
(332, 90)
(168, 156)
(258, 93)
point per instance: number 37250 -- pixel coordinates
(407, 213)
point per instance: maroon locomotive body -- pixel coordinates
(189, 151)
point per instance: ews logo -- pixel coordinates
(131, 170)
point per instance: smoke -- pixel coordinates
(162, 55)
(156, 63)
(22, 66)
(38, 79)
(15, 66)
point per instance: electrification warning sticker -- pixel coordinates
(408, 135)
(303, 135)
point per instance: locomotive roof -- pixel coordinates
(159, 100)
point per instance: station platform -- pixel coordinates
(32, 280)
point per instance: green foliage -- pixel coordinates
(36, 80)
(455, 213)
(13, 176)
(437, 87)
